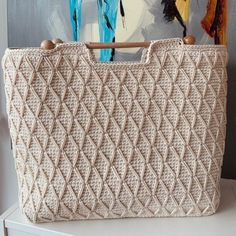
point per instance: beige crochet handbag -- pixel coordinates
(120, 139)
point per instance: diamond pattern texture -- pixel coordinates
(122, 139)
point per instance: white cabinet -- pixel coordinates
(223, 223)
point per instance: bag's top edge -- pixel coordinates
(80, 48)
(83, 44)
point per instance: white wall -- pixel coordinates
(8, 187)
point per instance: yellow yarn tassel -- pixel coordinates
(183, 8)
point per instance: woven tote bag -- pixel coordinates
(98, 140)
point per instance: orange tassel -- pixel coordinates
(209, 17)
(222, 30)
(215, 20)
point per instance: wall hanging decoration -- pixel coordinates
(214, 22)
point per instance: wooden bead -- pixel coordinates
(189, 39)
(47, 45)
(57, 41)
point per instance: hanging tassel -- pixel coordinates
(113, 50)
(215, 20)
(171, 12)
(100, 3)
(107, 16)
(209, 17)
(222, 29)
(183, 7)
(75, 15)
(122, 13)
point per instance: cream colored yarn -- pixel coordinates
(122, 139)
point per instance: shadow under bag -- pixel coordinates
(119, 139)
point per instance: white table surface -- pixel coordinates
(223, 223)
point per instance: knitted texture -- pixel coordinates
(121, 139)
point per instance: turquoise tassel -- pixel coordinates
(75, 15)
(107, 16)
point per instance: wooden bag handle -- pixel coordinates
(48, 44)
(95, 45)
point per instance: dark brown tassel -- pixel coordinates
(113, 50)
(122, 11)
(216, 22)
(108, 24)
